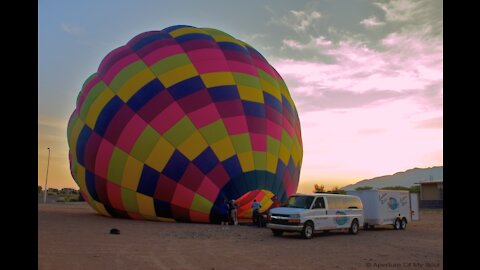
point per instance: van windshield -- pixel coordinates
(299, 202)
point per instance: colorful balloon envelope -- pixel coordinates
(266, 199)
(178, 120)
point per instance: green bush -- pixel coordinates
(364, 188)
(412, 189)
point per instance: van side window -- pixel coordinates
(331, 203)
(319, 203)
(335, 203)
(353, 203)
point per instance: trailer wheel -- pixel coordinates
(354, 227)
(307, 231)
(403, 224)
(277, 232)
(397, 224)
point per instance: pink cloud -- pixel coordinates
(298, 20)
(401, 10)
(293, 44)
(407, 62)
(314, 43)
(371, 22)
(301, 20)
(345, 140)
(322, 41)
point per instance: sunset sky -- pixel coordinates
(366, 76)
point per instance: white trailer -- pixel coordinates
(387, 207)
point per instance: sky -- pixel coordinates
(366, 76)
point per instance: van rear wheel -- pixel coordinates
(354, 227)
(403, 224)
(307, 231)
(397, 224)
(277, 232)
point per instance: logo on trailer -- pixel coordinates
(341, 217)
(392, 203)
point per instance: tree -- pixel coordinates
(337, 190)
(319, 189)
(415, 189)
(412, 189)
(39, 189)
(364, 188)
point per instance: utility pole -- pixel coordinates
(46, 178)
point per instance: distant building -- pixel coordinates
(68, 190)
(431, 194)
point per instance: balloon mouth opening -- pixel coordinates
(265, 197)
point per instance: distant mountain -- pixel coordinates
(406, 178)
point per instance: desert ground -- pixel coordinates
(73, 236)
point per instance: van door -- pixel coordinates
(320, 218)
(336, 215)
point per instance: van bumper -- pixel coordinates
(296, 228)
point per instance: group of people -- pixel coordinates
(229, 210)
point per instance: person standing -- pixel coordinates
(233, 211)
(256, 207)
(224, 213)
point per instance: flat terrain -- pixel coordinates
(73, 236)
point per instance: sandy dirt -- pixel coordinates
(73, 236)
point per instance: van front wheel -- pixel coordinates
(307, 231)
(354, 227)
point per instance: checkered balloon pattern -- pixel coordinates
(176, 121)
(244, 203)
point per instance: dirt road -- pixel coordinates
(73, 236)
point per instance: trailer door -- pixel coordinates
(414, 206)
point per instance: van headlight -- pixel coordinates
(294, 219)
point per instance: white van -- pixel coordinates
(306, 213)
(388, 207)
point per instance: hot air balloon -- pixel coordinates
(176, 121)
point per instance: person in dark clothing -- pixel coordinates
(224, 213)
(256, 207)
